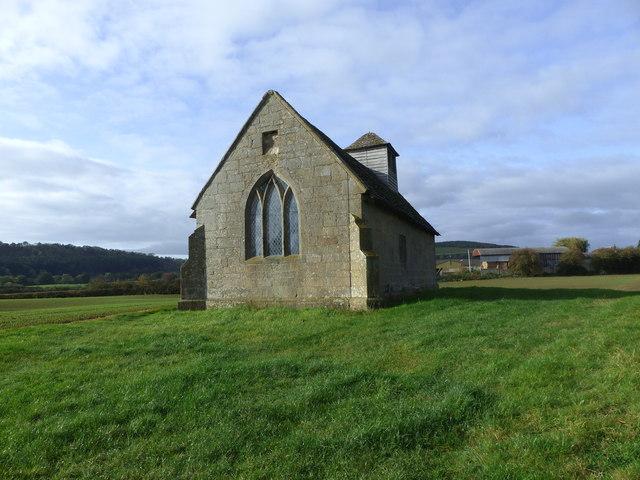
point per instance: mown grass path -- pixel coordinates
(40, 311)
(470, 383)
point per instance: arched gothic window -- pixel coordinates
(272, 226)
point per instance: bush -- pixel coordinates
(525, 262)
(571, 263)
(615, 260)
(44, 278)
(630, 260)
(165, 285)
(66, 279)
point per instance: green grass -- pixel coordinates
(629, 283)
(39, 311)
(53, 286)
(472, 383)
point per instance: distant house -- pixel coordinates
(497, 259)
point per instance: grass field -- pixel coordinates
(39, 311)
(629, 283)
(472, 383)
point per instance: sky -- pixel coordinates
(516, 122)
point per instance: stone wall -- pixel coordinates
(193, 274)
(400, 278)
(327, 197)
(349, 246)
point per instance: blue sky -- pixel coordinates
(516, 122)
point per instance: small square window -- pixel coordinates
(270, 143)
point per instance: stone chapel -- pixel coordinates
(290, 218)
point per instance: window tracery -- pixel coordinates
(272, 223)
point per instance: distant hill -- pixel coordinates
(458, 249)
(32, 259)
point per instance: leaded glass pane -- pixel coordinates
(262, 187)
(273, 222)
(254, 227)
(281, 183)
(292, 243)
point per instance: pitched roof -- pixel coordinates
(494, 251)
(369, 140)
(376, 189)
(489, 252)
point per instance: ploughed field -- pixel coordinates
(471, 382)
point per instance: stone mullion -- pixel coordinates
(263, 216)
(285, 231)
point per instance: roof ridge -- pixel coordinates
(373, 185)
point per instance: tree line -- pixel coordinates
(157, 283)
(51, 263)
(616, 260)
(25, 266)
(576, 261)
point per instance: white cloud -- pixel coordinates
(58, 194)
(595, 198)
(52, 34)
(530, 107)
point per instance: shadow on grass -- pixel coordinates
(498, 293)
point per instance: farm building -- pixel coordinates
(290, 218)
(497, 259)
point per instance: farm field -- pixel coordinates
(39, 311)
(629, 283)
(469, 383)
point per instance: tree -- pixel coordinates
(630, 260)
(31, 259)
(44, 278)
(616, 260)
(22, 280)
(145, 284)
(66, 279)
(606, 260)
(168, 276)
(573, 243)
(82, 278)
(98, 283)
(571, 263)
(525, 262)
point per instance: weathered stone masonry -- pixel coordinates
(349, 225)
